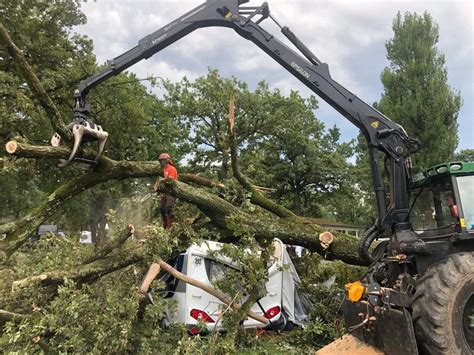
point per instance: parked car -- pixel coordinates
(283, 304)
(86, 237)
(43, 230)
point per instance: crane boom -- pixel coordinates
(382, 134)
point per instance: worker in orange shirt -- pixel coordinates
(167, 201)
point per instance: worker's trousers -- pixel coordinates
(166, 210)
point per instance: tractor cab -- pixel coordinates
(443, 201)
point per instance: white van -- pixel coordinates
(282, 305)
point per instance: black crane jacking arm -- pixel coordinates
(381, 133)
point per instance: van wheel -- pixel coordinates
(443, 307)
(289, 325)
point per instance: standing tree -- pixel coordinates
(43, 31)
(201, 106)
(416, 91)
(281, 142)
(465, 155)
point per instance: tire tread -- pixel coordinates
(431, 301)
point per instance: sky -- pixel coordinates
(348, 35)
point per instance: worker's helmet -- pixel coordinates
(164, 156)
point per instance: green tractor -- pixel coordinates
(424, 303)
(443, 307)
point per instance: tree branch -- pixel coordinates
(24, 150)
(109, 247)
(257, 197)
(34, 83)
(209, 289)
(200, 180)
(6, 316)
(83, 273)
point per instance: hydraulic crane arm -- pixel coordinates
(382, 134)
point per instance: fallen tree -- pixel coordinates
(291, 230)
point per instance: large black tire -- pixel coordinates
(443, 308)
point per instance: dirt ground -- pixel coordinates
(348, 345)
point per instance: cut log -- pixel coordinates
(11, 146)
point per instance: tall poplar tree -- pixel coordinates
(416, 91)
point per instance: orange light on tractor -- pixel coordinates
(355, 291)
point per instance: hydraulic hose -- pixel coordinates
(369, 236)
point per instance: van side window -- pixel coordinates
(171, 281)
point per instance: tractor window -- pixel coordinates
(432, 208)
(466, 193)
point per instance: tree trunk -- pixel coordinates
(223, 172)
(296, 200)
(234, 221)
(97, 219)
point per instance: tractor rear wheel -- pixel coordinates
(443, 307)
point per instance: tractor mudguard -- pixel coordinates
(392, 330)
